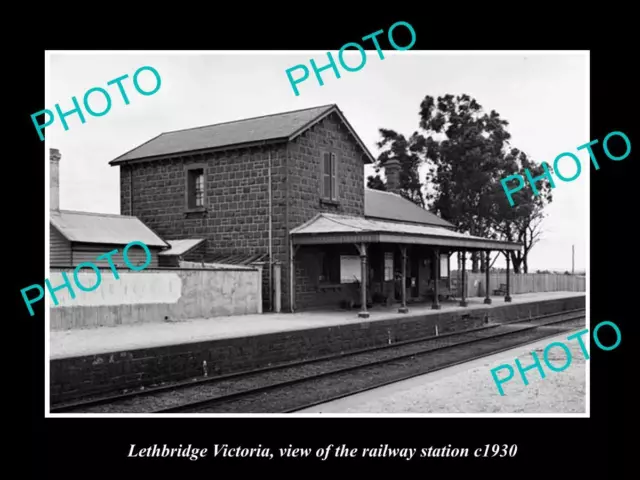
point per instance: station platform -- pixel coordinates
(96, 361)
(92, 341)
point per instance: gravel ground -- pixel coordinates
(469, 388)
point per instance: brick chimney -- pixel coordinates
(54, 178)
(392, 172)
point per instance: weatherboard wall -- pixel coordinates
(63, 253)
(59, 248)
(88, 252)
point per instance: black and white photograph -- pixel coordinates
(283, 234)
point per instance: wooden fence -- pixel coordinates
(522, 283)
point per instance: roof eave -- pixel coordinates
(91, 242)
(117, 159)
(424, 224)
(383, 236)
(202, 151)
(75, 240)
(60, 231)
(296, 230)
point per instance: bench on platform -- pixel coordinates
(502, 290)
(445, 289)
(456, 289)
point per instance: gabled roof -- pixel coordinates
(103, 228)
(251, 131)
(180, 247)
(391, 206)
(332, 228)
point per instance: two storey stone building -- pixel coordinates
(289, 189)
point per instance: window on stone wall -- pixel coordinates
(195, 187)
(329, 179)
(388, 267)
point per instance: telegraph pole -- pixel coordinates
(573, 256)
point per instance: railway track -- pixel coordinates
(292, 387)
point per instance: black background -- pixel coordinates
(97, 448)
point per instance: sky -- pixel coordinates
(543, 95)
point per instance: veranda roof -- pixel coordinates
(327, 228)
(180, 247)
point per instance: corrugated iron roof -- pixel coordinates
(180, 247)
(109, 229)
(327, 223)
(237, 258)
(391, 206)
(279, 126)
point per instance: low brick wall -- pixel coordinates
(155, 295)
(72, 378)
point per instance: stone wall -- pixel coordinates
(305, 154)
(236, 215)
(305, 171)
